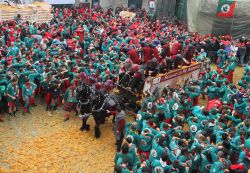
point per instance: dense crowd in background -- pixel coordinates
(171, 133)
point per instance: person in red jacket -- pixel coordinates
(155, 53)
(80, 33)
(188, 54)
(145, 53)
(166, 55)
(175, 47)
(136, 78)
(132, 53)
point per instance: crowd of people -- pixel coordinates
(171, 134)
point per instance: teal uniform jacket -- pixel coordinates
(120, 157)
(234, 121)
(205, 78)
(69, 96)
(141, 116)
(146, 142)
(222, 55)
(13, 91)
(13, 51)
(213, 92)
(167, 111)
(2, 92)
(146, 126)
(33, 76)
(28, 92)
(132, 134)
(233, 63)
(220, 81)
(205, 164)
(193, 127)
(125, 170)
(147, 102)
(105, 47)
(22, 78)
(183, 159)
(246, 110)
(29, 41)
(202, 56)
(196, 162)
(156, 151)
(192, 94)
(243, 83)
(132, 152)
(160, 166)
(240, 107)
(217, 167)
(227, 94)
(235, 143)
(243, 159)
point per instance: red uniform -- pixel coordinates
(176, 47)
(134, 56)
(155, 54)
(146, 54)
(80, 33)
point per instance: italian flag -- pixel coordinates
(226, 8)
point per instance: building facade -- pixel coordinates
(114, 3)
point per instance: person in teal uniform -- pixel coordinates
(193, 125)
(29, 41)
(157, 147)
(221, 57)
(239, 107)
(220, 163)
(13, 50)
(28, 90)
(193, 93)
(132, 149)
(213, 91)
(227, 91)
(2, 94)
(244, 156)
(12, 96)
(132, 132)
(145, 144)
(161, 164)
(141, 116)
(201, 56)
(124, 155)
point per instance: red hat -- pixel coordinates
(135, 67)
(162, 100)
(128, 61)
(83, 75)
(9, 58)
(76, 82)
(98, 86)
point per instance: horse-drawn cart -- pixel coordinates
(151, 84)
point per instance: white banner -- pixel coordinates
(173, 78)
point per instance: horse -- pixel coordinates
(103, 103)
(84, 104)
(96, 105)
